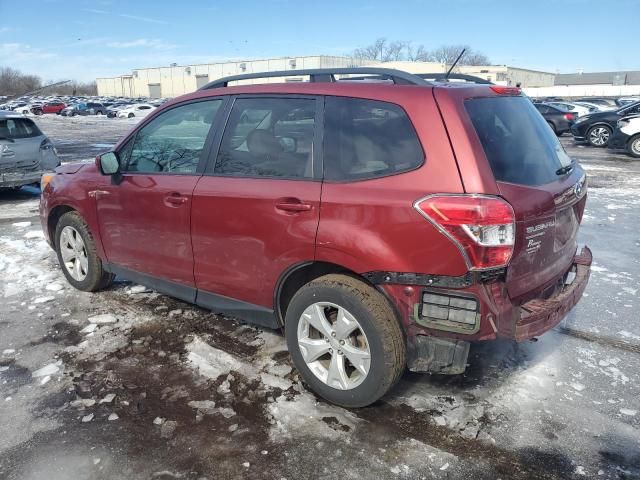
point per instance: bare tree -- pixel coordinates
(13, 82)
(447, 54)
(393, 52)
(383, 50)
(73, 88)
(418, 54)
(473, 57)
(375, 51)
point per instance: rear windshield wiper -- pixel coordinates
(564, 170)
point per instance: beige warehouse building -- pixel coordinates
(177, 80)
(180, 79)
(498, 74)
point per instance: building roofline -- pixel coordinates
(289, 57)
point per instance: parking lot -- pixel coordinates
(127, 383)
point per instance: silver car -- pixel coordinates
(25, 152)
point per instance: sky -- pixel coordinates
(83, 39)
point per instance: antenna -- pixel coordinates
(454, 64)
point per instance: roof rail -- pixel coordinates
(442, 77)
(325, 75)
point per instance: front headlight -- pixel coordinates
(45, 179)
(622, 123)
(582, 119)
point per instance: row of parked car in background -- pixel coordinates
(599, 122)
(83, 106)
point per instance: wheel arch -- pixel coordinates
(600, 123)
(631, 140)
(54, 217)
(298, 275)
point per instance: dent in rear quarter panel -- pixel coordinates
(72, 190)
(372, 226)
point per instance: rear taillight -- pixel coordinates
(482, 227)
(569, 116)
(47, 145)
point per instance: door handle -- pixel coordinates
(293, 205)
(175, 200)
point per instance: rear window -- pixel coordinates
(516, 139)
(15, 128)
(367, 139)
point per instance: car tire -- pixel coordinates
(77, 254)
(633, 146)
(377, 343)
(131, 115)
(553, 127)
(599, 135)
(73, 114)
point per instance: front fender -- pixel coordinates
(71, 192)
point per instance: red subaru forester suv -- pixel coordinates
(380, 223)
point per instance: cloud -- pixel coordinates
(143, 19)
(95, 10)
(14, 52)
(127, 16)
(5, 29)
(143, 43)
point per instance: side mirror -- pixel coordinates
(108, 163)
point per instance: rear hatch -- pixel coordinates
(505, 147)
(20, 142)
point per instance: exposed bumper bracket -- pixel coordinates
(539, 315)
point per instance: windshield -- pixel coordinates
(629, 108)
(520, 146)
(16, 128)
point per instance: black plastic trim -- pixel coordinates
(277, 292)
(428, 280)
(177, 290)
(248, 312)
(324, 75)
(443, 77)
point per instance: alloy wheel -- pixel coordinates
(334, 346)
(74, 253)
(635, 147)
(599, 136)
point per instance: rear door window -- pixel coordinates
(520, 146)
(268, 137)
(16, 128)
(366, 139)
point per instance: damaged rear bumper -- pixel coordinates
(18, 179)
(538, 315)
(436, 346)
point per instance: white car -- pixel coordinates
(627, 135)
(570, 107)
(622, 101)
(136, 110)
(25, 109)
(596, 107)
